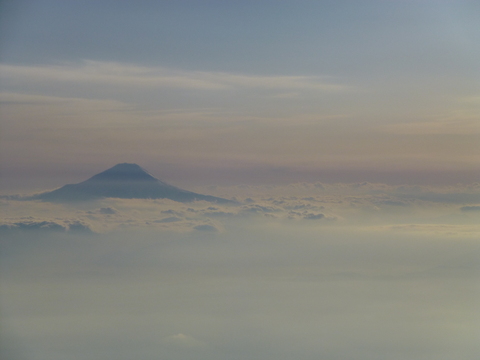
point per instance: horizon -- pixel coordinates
(47, 182)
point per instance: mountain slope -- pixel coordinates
(126, 181)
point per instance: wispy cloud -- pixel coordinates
(458, 125)
(120, 74)
(13, 98)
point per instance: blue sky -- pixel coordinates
(306, 37)
(331, 91)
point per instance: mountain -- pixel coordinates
(125, 181)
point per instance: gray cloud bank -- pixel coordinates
(344, 203)
(45, 226)
(310, 271)
(257, 289)
(470, 208)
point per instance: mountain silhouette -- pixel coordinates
(125, 181)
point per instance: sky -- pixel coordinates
(346, 132)
(223, 92)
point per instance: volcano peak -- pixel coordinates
(124, 181)
(123, 172)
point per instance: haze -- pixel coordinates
(343, 134)
(250, 92)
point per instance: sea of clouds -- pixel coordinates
(305, 271)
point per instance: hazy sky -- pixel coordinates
(228, 92)
(346, 131)
(333, 272)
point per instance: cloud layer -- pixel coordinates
(318, 203)
(258, 288)
(111, 73)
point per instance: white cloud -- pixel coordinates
(346, 203)
(271, 285)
